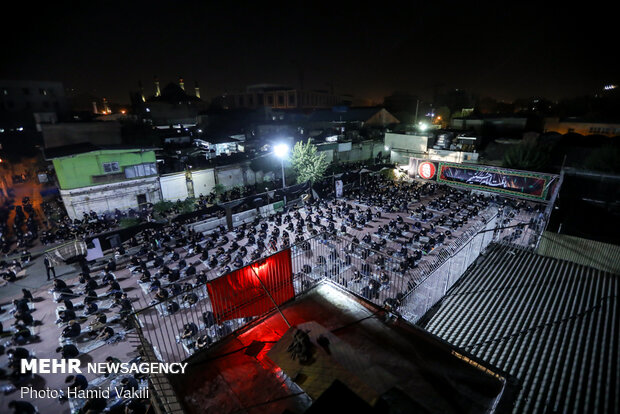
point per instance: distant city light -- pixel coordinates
(610, 87)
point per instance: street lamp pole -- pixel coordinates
(281, 151)
(283, 179)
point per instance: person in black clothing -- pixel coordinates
(49, 267)
(172, 307)
(21, 305)
(73, 330)
(91, 308)
(23, 317)
(58, 284)
(66, 315)
(68, 351)
(78, 382)
(93, 405)
(15, 357)
(189, 330)
(21, 336)
(27, 295)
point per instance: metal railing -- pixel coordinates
(386, 279)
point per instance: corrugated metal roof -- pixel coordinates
(551, 323)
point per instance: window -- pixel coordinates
(281, 100)
(291, 99)
(110, 167)
(42, 92)
(141, 170)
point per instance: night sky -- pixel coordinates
(506, 51)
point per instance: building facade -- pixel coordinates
(281, 97)
(104, 179)
(583, 127)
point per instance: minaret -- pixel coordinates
(157, 90)
(181, 83)
(141, 91)
(197, 90)
(106, 108)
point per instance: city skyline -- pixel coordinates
(501, 51)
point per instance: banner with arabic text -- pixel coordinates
(525, 184)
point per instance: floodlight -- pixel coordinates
(281, 150)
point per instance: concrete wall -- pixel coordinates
(204, 182)
(107, 197)
(173, 186)
(406, 143)
(231, 176)
(453, 156)
(360, 151)
(237, 219)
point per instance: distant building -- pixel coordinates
(580, 126)
(282, 97)
(102, 179)
(376, 117)
(170, 106)
(27, 104)
(497, 124)
(440, 145)
(71, 133)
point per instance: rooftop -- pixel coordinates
(251, 370)
(550, 323)
(85, 147)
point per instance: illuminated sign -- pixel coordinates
(426, 170)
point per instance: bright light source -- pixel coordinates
(280, 150)
(386, 148)
(422, 126)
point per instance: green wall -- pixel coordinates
(76, 171)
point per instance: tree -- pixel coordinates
(308, 163)
(528, 155)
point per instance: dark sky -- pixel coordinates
(506, 50)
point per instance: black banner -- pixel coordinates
(511, 182)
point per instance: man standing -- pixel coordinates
(49, 267)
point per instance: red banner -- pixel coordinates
(240, 293)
